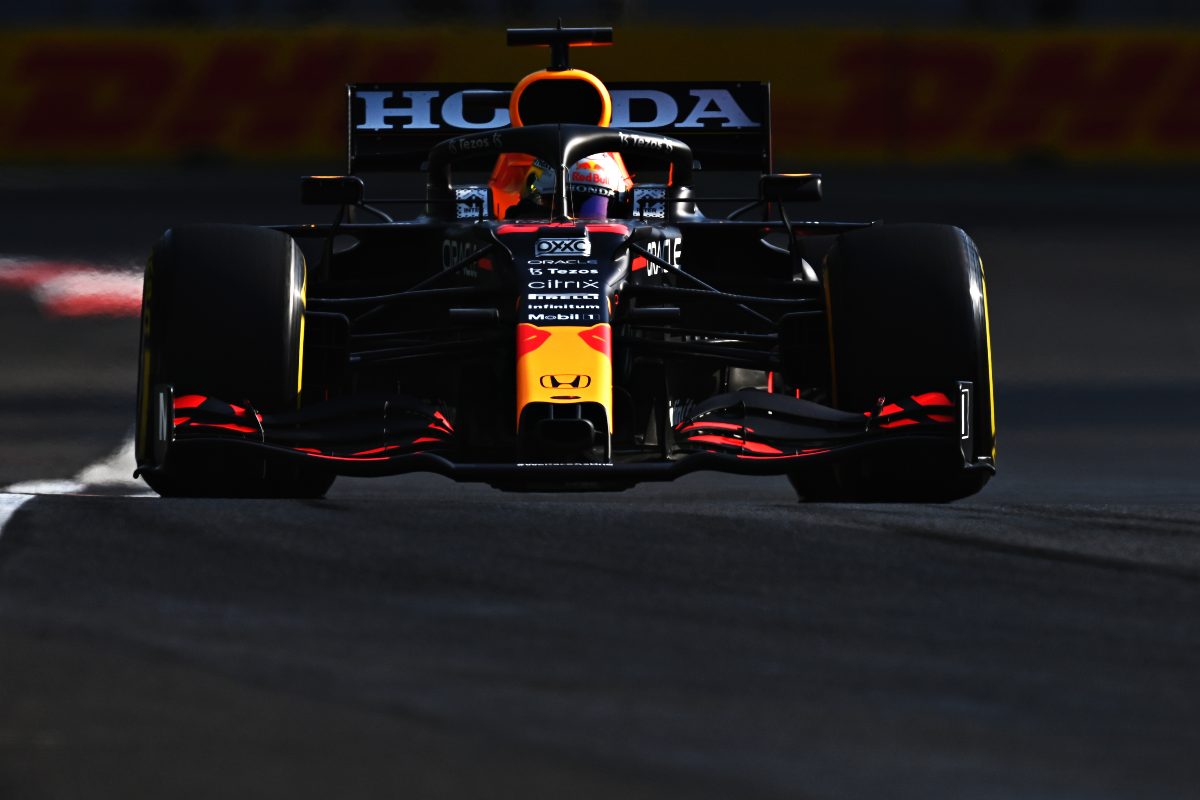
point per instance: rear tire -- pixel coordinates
(907, 313)
(223, 316)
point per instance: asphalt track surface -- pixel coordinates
(413, 637)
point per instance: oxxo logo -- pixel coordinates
(575, 246)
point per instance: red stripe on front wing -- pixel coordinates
(753, 447)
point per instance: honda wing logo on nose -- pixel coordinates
(566, 381)
(575, 247)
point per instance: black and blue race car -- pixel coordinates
(560, 314)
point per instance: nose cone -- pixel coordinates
(562, 364)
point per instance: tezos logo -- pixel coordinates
(646, 142)
(575, 246)
(468, 145)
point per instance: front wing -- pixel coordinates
(747, 432)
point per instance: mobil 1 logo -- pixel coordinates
(570, 308)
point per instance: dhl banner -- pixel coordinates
(837, 95)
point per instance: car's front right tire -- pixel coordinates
(223, 317)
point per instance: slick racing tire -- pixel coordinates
(907, 314)
(223, 316)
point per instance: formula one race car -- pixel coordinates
(561, 315)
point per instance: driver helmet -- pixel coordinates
(538, 186)
(534, 192)
(595, 186)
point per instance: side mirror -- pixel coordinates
(473, 202)
(803, 187)
(331, 190)
(650, 201)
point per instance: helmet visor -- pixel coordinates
(591, 206)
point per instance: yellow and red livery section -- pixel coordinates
(564, 364)
(563, 338)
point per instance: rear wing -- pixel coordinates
(392, 127)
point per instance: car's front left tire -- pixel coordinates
(907, 314)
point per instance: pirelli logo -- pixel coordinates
(564, 296)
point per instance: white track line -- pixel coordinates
(64, 288)
(112, 472)
(9, 503)
(116, 470)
